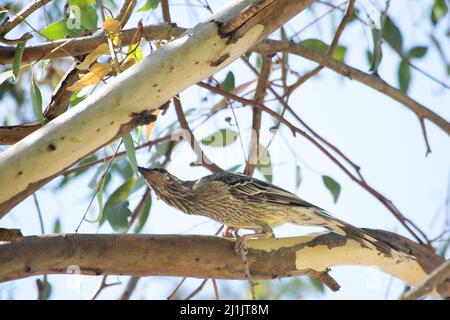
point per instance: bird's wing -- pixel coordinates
(252, 189)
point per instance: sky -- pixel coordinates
(376, 132)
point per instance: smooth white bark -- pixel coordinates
(195, 55)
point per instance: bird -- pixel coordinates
(242, 202)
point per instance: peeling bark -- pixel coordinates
(195, 256)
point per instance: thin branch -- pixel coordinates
(140, 206)
(165, 11)
(202, 158)
(438, 277)
(173, 294)
(216, 289)
(347, 14)
(21, 15)
(197, 290)
(85, 45)
(103, 285)
(131, 286)
(102, 177)
(125, 11)
(256, 120)
(271, 46)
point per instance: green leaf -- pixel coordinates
(59, 30)
(117, 215)
(119, 195)
(220, 138)
(404, 76)
(143, 216)
(417, 52)
(6, 75)
(264, 165)
(377, 55)
(18, 53)
(57, 226)
(322, 47)
(393, 35)
(131, 152)
(36, 100)
(339, 53)
(315, 44)
(298, 176)
(85, 13)
(438, 11)
(228, 83)
(150, 5)
(332, 186)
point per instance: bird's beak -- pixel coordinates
(143, 170)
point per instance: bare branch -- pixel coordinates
(21, 15)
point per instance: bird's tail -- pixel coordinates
(319, 217)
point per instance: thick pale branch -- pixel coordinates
(192, 256)
(126, 101)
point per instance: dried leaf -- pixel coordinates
(150, 126)
(95, 75)
(91, 57)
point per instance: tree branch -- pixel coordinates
(202, 158)
(260, 93)
(21, 15)
(113, 111)
(195, 256)
(439, 277)
(272, 46)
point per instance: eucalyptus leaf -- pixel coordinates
(332, 186)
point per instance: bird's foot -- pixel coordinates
(229, 232)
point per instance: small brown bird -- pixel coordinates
(242, 202)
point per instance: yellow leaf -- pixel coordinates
(94, 76)
(91, 57)
(149, 128)
(112, 29)
(111, 25)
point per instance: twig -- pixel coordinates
(256, 121)
(102, 286)
(347, 14)
(119, 154)
(99, 185)
(131, 286)
(173, 294)
(439, 276)
(138, 210)
(21, 15)
(202, 158)
(425, 136)
(216, 289)
(197, 291)
(165, 11)
(271, 46)
(125, 11)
